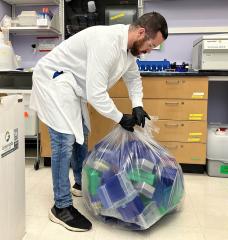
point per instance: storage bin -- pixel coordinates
(12, 169)
(217, 168)
(217, 142)
(30, 117)
(217, 151)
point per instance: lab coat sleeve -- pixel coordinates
(133, 82)
(100, 59)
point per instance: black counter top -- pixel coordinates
(190, 73)
(15, 73)
(144, 74)
(15, 80)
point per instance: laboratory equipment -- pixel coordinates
(210, 52)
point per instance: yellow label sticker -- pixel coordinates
(196, 114)
(194, 140)
(120, 15)
(196, 96)
(195, 118)
(195, 134)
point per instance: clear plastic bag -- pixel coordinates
(130, 180)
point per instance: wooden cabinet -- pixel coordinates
(168, 87)
(182, 131)
(190, 153)
(45, 143)
(181, 106)
(177, 109)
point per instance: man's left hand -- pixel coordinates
(140, 115)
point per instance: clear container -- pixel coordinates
(145, 165)
(27, 18)
(145, 189)
(149, 216)
(116, 191)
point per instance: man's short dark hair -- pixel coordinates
(153, 22)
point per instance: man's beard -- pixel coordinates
(136, 46)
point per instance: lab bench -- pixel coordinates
(180, 100)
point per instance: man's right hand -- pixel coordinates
(128, 122)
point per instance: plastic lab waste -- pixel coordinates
(131, 181)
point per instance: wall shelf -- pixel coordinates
(192, 30)
(32, 2)
(49, 31)
(53, 30)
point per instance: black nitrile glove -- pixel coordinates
(140, 115)
(127, 122)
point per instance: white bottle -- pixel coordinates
(91, 7)
(7, 56)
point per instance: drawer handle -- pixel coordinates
(172, 103)
(171, 147)
(172, 81)
(171, 124)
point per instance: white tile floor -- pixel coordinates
(204, 215)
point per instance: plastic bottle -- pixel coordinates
(7, 56)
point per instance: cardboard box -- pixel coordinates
(12, 168)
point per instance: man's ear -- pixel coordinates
(141, 33)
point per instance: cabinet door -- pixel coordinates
(168, 87)
(176, 109)
(192, 153)
(45, 143)
(100, 126)
(181, 131)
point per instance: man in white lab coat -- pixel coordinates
(80, 70)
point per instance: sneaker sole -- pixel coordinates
(58, 221)
(76, 193)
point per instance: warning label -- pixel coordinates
(8, 142)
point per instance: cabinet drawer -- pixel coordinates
(167, 109)
(101, 126)
(168, 87)
(181, 131)
(192, 153)
(176, 87)
(176, 109)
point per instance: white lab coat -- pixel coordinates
(92, 61)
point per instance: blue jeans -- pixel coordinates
(66, 151)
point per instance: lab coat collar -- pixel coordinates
(125, 38)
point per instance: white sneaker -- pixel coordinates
(76, 190)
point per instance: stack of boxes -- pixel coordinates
(134, 184)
